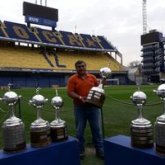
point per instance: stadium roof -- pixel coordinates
(16, 32)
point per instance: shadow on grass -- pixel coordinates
(90, 157)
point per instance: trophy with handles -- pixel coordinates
(160, 123)
(40, 128)
(141, 128)
(58, 127)
(96, 95)
(13, 127)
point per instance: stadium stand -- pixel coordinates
(22, 58)
(32, 56)
(92, 58)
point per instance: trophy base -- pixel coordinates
(18, 148)
(13, 138)
(58, 133)
(160, 149)
(95, 98)
(142, 144)
(40, 138)
(142, 137)
(160, 137)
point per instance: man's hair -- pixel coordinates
(79, 62)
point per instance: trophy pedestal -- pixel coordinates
(118, 151)
(160, 134)
(13, 135)
(40, 134)
(60, 153)
(141, 133)
(96, 97)
(58, 130)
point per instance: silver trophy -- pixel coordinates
(141, 128)
(160, 123)
(40, 128)
(96, 95)
(13, 127)
(58, 127)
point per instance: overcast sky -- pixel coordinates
(120, 21)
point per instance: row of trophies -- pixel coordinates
(41, 132)
(142, 129)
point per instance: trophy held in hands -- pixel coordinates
(13, 127)
(40, 128)
(96, 95)
(141, 128)
(58, 127)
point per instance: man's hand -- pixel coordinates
(82, 98)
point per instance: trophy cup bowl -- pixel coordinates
(96, 95)
(105, 72)
(10, 97)
(13, 127)
(58, 127)
(141, 128)
(160, 123)
(160, 91)
(40, 128)
(57, 102)
(38, 100)
(139, 97)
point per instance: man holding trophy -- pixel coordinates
(78, 88)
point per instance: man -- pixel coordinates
(78, 88)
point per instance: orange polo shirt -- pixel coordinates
(81, 86)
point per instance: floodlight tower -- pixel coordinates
(144, 13)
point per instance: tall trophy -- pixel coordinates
(58, 127)
(141, 128)
(13, 127)
(40, 128)
(160, 123)
(96, 95)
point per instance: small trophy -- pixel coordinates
(13, 127)
(58, 127)
(96, 95)
(160, 123)
(141, 128)
(39, 129)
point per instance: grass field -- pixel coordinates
(118, 111)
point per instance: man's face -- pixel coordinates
(81, 68)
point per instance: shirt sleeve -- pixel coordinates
(70, 85)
